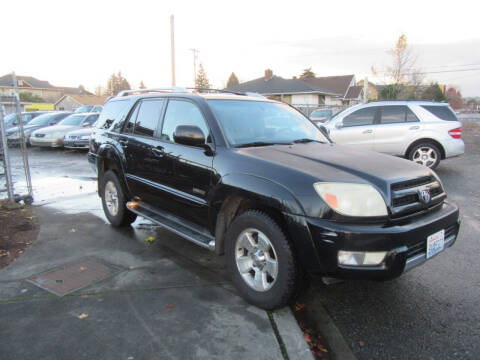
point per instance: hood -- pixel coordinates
(59, 128)
(332, 162)
(81, 132)
(26, 128)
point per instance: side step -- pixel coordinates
(182, 227)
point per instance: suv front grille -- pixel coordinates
(407, 196)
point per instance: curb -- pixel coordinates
(291, 335)
(328, 329)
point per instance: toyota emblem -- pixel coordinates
(424, 196)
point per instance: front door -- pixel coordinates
(357, 129)
(188, 189)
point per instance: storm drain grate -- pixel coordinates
(72, 277)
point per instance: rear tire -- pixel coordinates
(427, 154)
(261, 261)
(113, 201)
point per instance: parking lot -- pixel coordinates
(430, 312)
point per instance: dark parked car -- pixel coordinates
(44, 120)
(255, 180)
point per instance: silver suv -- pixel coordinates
(422, 131)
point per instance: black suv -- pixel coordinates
(255, 180)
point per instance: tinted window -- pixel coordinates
(111, 111)
(392, 114)
(131, 121)
(47, 119)
(442, 112)
(182, 113)
(360, 117)
(148, 117)
(411, 117)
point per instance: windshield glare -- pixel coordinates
(72, 120)
(245, 122)
(43, 119)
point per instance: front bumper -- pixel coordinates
(46, 142)
(75, 144)
(404, 243)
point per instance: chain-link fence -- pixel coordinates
(15, 180)
(308, 109)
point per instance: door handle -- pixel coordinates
(416, 127)
(368, 131)
(158, 151)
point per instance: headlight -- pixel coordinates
(85, 137)
(352, 199)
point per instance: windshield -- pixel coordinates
(72, 120)
(9, 118)
(84, 108)
(43, 119)
(245, 122)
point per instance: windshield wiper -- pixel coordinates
(260, 143)
(306, 140)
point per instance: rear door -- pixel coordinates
(146, 165)
(357, 129)
(397, 126)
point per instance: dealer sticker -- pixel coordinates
(435, 243)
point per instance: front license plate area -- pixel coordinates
(435, 243)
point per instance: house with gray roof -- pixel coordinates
(329, 90)
(42, 88)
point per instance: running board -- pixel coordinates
(182, 227)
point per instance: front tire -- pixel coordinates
(426, 154)
(261, 261)
(113, 201)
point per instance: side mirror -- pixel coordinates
(86, 124)
(324, 130)
(339, 125)
(189, 135)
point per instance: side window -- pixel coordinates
(182, 113)
(392, 114)
(148, 117)
(91, 119)
(360, 117)
(131, 120)
(112, 111)
(411, 117)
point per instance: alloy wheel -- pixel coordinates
(425, 155)
(111, 198)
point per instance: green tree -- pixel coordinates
(29, 97)
(434, 93)
(232, 80)
(202, 81)
(307, 73)
(117, 83)
(391, 92)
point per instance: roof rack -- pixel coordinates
(153, 90)
(253, 94)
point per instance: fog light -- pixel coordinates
(361, 258)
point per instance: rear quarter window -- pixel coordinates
(113, 110)
(442, 112)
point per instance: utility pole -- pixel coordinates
(195, 53)
(172, 41)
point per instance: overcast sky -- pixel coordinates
(82, 42)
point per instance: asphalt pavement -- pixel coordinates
(431, 312)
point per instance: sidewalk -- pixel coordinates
(167, 299)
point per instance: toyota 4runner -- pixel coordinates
(255, 180)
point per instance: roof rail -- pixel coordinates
(153, 90)
(253, 94)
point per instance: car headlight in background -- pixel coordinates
(352, 199)
(85, 137)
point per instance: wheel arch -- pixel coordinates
(109, 159)
(425, 140)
